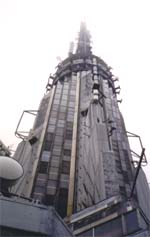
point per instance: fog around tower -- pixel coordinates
(34, 34)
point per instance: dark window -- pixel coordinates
(127, 161)
(41, 182)
(69, 125)
(67, 152)
(65, 167)
(39, 189)
(43, 167)
(118, 166)
(51, 183)
(68, 134)
(116, 149)
(48, 200)
(62, 202)
(118, 163)
(125, 176)
(47, 145)
(122, 191)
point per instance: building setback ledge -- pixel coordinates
(20, 217)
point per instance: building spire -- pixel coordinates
(83, 45)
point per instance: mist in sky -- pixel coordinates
(34, 33)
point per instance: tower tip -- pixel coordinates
(84, 40)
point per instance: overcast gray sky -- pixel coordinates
(34, 32)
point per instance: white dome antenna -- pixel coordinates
(10, 172)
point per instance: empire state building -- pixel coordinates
(77, 156)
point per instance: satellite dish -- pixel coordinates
(10, 172)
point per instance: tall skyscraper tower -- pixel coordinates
(77, 155)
